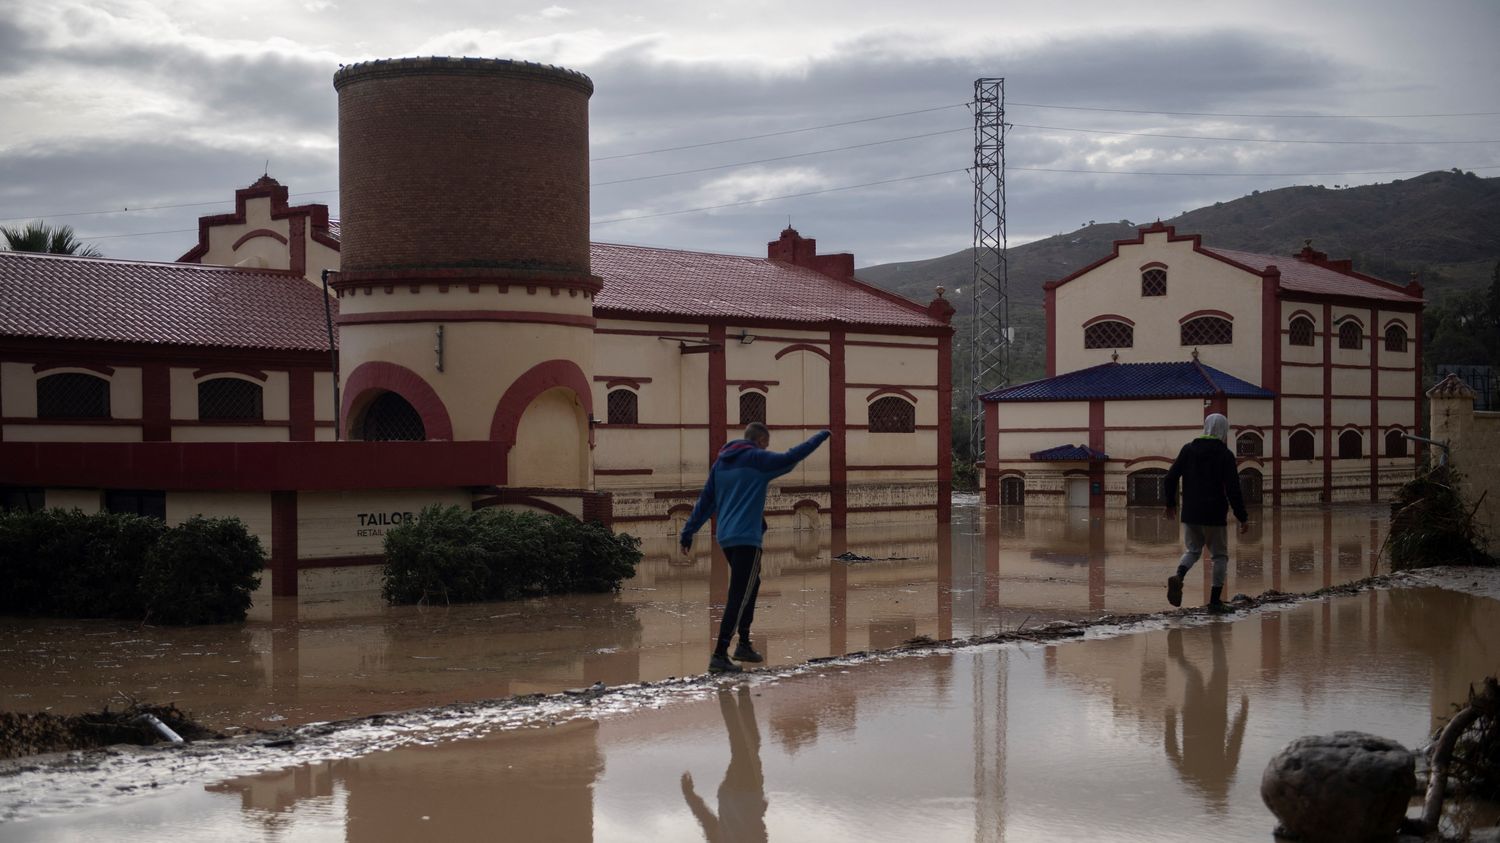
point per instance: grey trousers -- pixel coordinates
(1195, 536)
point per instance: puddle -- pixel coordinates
(1156, 734)
(341, 655)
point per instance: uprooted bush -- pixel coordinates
(452, 556)
(31, 734)
(1432, 523)
(63, 563)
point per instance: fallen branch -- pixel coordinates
(1442, 752)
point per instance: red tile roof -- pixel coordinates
(670, 282)
(58, 297)
(1307, 277)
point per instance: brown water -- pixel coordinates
(346, 654)
(1156, 735)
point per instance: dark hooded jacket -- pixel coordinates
(1210, 484)
(736, 489)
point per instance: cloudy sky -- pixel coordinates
(714, 122)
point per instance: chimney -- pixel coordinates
(801, 251)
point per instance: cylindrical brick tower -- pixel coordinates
(465, 286)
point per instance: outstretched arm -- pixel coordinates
(700, 810)
(779, 464)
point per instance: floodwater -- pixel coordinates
(339, 655)
(1151, 735)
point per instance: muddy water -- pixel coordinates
(337, 655)
(1155, 735)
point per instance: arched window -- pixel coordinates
(1395, 339)
(1395, 444)
(1012, 491)
(1207, 330)
(1351, 335)
(1249, 444)
(1251, 486)
(1146, 487)
(225, 399)
(752, 407)
(1301, 332)
(623, 407)
(1154, 282)
(1351, 445)
(72, 395)
(391, 418)
(1301, 445)
(892, 415)
(1109, 334)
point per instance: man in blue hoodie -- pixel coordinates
(736, 493)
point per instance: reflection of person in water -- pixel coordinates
(1209, 750)
(742, 796)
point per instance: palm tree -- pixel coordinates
(40, 237)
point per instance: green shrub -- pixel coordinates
(965, 475)
(452, 556)
(63, 563)
(1432, 524)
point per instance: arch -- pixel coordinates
(805, 514)
(1249, 444)
(1108, 333)
(752, 407)
(549, 374)
(389, 418)
(622, 406)
(259, 232)
(892, 414)
(802, 346)
(1351, 444)
(1207, 329)
(1300, 331)
(72, 395)
(370, 379)
(1146, 487)
(890, 390)
(230, 398)
(1395, 338)
(1012, 490)
(1351, 334)
(1301, 445)
(1110, 317)
(107, 371)
(1395, 442)
(1252, 486)
(252, 374)
(1199, 314)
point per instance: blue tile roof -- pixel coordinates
(1132, 380)
(1063, 453)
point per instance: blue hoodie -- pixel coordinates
(736, 489)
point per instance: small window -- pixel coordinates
(752, 407)
(391, 418)
(19, 499)
(134, 502)
(229, 399)
(1301, 445)
(72, 395)
(1249, 444)
(1109, 334)
(892, 415)
(1146, 487)
(1207, 330)
(1301, 332)
(1395, 339)
(1154, 282)
(1252, 484)
(1012, 491)
(624, 407)
(1395, 444)
(1351, 445)
(1351, 336)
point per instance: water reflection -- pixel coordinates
(1207, 753)
(345, 654)
(742, 795)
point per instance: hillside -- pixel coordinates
(1445, 226)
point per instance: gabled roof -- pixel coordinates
(1132, 380)
(61, 297)
(1067, 453)
(643, 281)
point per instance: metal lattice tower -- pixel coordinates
(989, 319)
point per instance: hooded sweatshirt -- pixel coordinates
(736, 489)
(1210, 483)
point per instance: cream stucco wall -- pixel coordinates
(551, 449)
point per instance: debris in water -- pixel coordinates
(851, 556)
(32, 734)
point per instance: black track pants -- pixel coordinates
(744, 585)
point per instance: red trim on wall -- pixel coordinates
(875, 344)
(519, 497)
(992, 452)
(1109, 317)
(1152, 265)
(257, 374)
(377, 375)
(297, 253)
(762, 386)
(1298, 312)
(608, 380)
(1096, 441)
(156, 403)
(890, 390)
(930, 330)
(621, 472)
(1198, 313)
(802, 346)
(636, 332)
(283, 544)
(1167, 460)
(259, 232)
(108, 371)
(1419, 449)
(301, 404)
(526, 317)
(474, 278)
(945, 430)
(315, 215)
(549, 374)
(838, 454)
(1327, 409)
(718, 398)
(1049, 305)
(1375, 442)
(86, 354)
(919, 467)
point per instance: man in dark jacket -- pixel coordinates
(736, 493)
(1210, 486)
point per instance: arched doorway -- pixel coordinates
(551, 450)
(389, 418)
(1252, 484)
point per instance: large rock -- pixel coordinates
(1344, 786)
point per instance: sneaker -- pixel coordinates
(722, 664)
(745, 653)
(1174, 590)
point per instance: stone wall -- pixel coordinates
(1473, 440)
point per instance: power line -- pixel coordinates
(1262, 116)
(1248, 140)
(149, 207)
(1239, 175)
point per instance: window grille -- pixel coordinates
(135, 502)
(1207, 330)
(1249, 444)
(1012, 491)
(1301, 445)
(1146, 487)
(1395, 444)
(892, 415)
(752, 407)
(226, 399)
(1301, 332)
(1154, 282)
(1351, 445)
(1395, 339)
(390, 418)
(1251, 486)
(72, 395)
(1109, 334)
(624, 407)
(1351, 336)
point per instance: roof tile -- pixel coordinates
(1131, 380)
(1307, 277)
